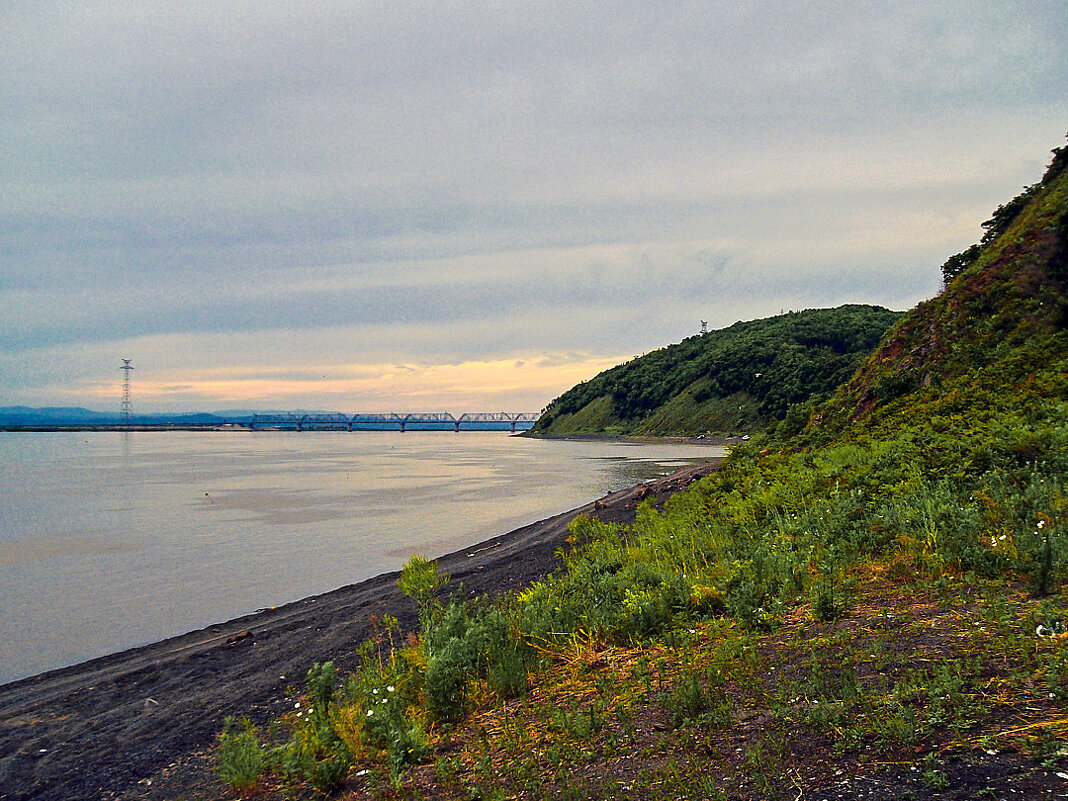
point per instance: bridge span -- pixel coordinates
(394, 421)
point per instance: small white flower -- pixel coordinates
(370, 712)
(390, 688)
(296, 705)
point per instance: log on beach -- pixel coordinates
(97, 729)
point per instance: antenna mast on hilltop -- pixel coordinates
(126, 405)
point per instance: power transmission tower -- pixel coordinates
(126, 405)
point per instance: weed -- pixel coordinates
(240, 758)
(316, 753)
(931, 775)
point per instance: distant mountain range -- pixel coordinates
(76, 415)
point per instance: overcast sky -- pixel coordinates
(472, 206)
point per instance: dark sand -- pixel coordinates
(100, 729)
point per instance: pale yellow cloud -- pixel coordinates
(518, 383)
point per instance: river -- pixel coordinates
(111, 540)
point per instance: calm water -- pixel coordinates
(110, 540)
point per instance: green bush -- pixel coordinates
(316, 753)
(240, 759)
(448, 673)
(420, 580)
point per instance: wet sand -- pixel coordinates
(99, 729)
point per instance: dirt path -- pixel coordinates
(95, 730)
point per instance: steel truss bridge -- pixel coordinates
(393, 421)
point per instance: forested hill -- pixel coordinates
(994, 340)
(734, 380)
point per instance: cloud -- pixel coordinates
(229, 183)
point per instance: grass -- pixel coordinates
(916, 690)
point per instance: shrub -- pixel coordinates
(239, 756)
(420, 581)
(316, 753)
(448, 671)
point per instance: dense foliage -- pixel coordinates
(734, 380)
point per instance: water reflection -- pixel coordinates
(109, 540)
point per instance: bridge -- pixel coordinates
(393, 421)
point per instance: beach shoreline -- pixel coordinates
(100, 729)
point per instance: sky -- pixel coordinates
(473, 206)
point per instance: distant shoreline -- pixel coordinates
(47, 428)
(698, 439)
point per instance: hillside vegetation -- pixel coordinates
(867, 603)
(732, 381)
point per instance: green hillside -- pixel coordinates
(735, 380)
(990, 346)
(864, 602)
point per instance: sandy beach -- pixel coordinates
(140, 723)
